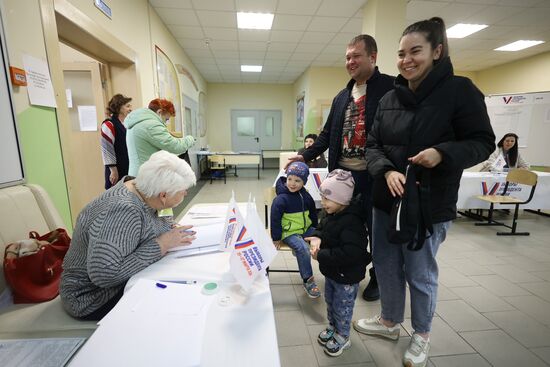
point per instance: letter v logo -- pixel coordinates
(485, 189)
(507, 99)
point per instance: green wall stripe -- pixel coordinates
(43, 161)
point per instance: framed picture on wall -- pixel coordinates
(300, 117)
(169, 88)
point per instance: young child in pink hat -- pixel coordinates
(340, 246)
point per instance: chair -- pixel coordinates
(269, 195)
(516, 176)
(216, 163)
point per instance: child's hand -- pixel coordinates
(314, 251)
(314, 246)
(278, 244)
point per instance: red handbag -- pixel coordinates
(32, 268)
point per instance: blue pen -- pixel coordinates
(162, 286)
(180, 281)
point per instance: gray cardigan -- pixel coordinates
(114, 238)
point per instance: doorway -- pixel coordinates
(63, 23)
(255, 130)
(86, 103)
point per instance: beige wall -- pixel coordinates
(23, 29)
(526, 75)
(222, 98)
(320, 84)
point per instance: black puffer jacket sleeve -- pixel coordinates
(474, 137)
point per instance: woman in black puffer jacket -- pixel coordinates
(438, 122)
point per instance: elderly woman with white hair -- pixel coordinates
(120, 233)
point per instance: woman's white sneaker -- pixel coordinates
(373, 326)
(416, 354)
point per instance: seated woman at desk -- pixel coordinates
(120, 233)
(320, 161)
(506, 156)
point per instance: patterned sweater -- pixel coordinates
(114, 238)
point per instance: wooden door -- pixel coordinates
(83, 80)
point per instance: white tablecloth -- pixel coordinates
(484, 183)
(240, 332)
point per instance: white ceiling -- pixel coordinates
(315, 33)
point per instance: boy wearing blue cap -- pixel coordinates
(293, 217)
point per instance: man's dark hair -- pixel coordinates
(370, 43)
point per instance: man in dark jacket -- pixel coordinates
(349, 121)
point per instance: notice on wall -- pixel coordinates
(511, 114)
(39, 82)
(87, 118)
(69, 95)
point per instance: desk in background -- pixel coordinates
(241, 333)
(233, 158)
(487, 183)
(274, 153)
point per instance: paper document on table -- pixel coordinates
(206, 235)
(208, 211)
(45, 352)
(150, 325)
(167, 298)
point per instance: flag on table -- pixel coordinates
(233, 224)
(253, 250)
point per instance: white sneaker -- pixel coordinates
(373, 326)
(417, 352)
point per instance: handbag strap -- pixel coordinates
(425, 222)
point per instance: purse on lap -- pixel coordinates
(32, 267)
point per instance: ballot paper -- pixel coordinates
(207, 235)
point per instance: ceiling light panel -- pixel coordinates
(462, 30)
(254, 20)
(251, 68)
(518, 45)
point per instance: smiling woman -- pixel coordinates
(436, 124)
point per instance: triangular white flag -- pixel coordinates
(254, 251)
(232, 225)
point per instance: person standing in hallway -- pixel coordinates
(434, 124)
(147, 133)
(113, 140)
(348, 123)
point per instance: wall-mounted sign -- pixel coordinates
(100, 4)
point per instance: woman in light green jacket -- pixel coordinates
(147, 133)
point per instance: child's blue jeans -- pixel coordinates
(301, 249)
(340, 300)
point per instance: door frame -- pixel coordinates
(63, 21)
(259, 115)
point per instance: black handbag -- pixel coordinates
(410, 217)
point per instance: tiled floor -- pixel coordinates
(493, 307)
